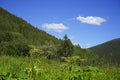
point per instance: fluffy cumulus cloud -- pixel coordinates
(91, 20)
(55, 27)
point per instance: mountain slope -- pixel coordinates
(16, 37)
(109, 50)
(11, 23)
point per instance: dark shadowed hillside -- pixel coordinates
(109, 50)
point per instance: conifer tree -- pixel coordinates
(66, 48)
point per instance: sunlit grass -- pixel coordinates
(14, 68)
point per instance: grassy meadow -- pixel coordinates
(27, 68)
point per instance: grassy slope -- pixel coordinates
(109, 50)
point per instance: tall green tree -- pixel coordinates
(66, 47)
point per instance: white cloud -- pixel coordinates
(55, 27)
(88, 45)
(91, 20)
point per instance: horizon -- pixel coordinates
(85, 22)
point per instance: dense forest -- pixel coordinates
(28, 53)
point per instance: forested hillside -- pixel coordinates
(17, 36)
(11, 23)
(109, 50)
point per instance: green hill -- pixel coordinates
(109, 50)
(17, 36)
(12, 23)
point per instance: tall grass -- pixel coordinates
(25, 68)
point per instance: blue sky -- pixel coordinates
(86, 22)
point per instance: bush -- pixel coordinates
(14, 48)
(71, 60)
(34, 52)
(13, 43)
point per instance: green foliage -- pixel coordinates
(87, 73)
(109, 50)
(27, 68)
(11, 23)
(10, 36)
(8, 76)
(32, 72)
(16, 35)
(49, 51)
(34, 52)
(71, 60)
(14, 48)
(13, 43)
(66, 47)
(7, 48)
